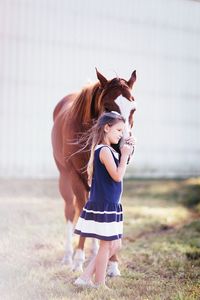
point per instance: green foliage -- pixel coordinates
(185, 191)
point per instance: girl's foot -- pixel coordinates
(101, 286)
(82, 282)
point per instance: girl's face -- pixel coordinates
(114, 133)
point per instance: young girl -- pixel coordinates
(102, 216)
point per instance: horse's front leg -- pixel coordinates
(80, 196)
(94, 247)
(67, 259)
(73, 259)
(113, 267)
(79, 256)
(68, 196)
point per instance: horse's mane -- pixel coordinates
(87, 103)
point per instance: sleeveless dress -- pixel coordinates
(102, 215)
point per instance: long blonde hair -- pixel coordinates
(97, 135)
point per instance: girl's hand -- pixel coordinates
(130, 141)
(130, 144)
(126, 150)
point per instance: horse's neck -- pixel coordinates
(84, 107)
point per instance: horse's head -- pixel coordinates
(116, 96)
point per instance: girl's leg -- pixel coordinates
(89, 271)
(98, 264)
(101, 261)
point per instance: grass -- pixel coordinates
(160, 258)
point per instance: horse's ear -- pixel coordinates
(101, 78)
(132, 79)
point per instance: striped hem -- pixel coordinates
(101, 229)
(97, 236)
(102, 217)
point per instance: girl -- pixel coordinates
(102, 216)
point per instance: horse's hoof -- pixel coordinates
(67, 261)
(79, 258)
(77, 268)
(113, 269)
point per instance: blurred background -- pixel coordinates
(51, 48)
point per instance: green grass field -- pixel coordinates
(160, 257)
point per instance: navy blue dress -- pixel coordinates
(102, 215)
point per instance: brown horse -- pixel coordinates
(74, 115)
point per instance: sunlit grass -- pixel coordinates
(160, 258)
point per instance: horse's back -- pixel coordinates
(63, 105)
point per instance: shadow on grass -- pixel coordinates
(190, 195)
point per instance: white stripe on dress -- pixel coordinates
(103, 212)
(99, 228)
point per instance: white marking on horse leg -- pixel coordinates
(67, 259)
(79, 258)
(113, 269)
(95, 247)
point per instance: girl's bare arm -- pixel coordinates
(107, 159)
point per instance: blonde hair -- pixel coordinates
(97, 135)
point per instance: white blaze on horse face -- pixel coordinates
(126, 107)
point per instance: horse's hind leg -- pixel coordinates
(79, 254)
(113, 267)
(68, 196)
(81, 197)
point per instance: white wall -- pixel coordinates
(50, 48)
